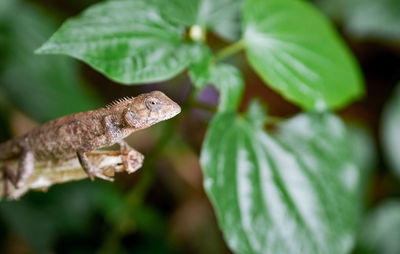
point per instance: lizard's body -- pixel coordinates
(79, 133)
(62, 137)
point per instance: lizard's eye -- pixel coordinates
(152, 104)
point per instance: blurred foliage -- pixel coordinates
(27, 78)
(4, 112)
(380, 230)
(386, 21)
(390, 131)
(366, 18)
(163, 208)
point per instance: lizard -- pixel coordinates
(79, 133)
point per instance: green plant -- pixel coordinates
(294, 190)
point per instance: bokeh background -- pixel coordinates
(162, 208)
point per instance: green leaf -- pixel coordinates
(222, 16)
(296, 192)
(128, 41)
(256, 113)
(183, 12)
(371, 18)
(380, 230)
(44, 87)
(199, 71)
(228, 80)
(30, 222)
(391, 132)
(297, 51)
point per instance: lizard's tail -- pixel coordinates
(9, 150)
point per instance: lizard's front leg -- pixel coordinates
(89, 169)
(25, 170)
(123, 146)
(132, 155)
(8, 177)
(25, 166)
(112, 133)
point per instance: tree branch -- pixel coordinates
(52, 172)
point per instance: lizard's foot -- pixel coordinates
(8, 178)
(123, 146)
(132, 161)
(96, 173)
(25, 166)
(89, 169)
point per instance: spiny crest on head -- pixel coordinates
(118, 101)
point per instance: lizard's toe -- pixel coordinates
(100, 175)
(91, 175)
(95, 173)
(133, 161)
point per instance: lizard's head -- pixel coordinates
(150, 108)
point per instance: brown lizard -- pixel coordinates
(76, 134)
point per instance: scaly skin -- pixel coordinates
(83, 132)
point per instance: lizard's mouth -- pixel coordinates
(166, 112)
(177, 110)
(173, 111)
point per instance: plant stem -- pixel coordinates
(229, 50)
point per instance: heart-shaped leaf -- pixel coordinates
(297, 52)
(128, 41)
(297, 192)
